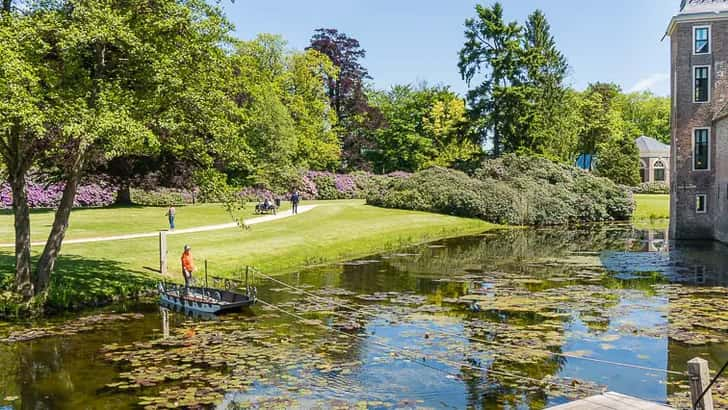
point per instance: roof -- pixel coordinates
(698, 10)
(703, 6)
(650, 147)
(722, 114)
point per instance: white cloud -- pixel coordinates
(657, 83)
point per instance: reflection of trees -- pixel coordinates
(513, 250)
(9, 365)
(486, 389)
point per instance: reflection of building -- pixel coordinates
(654, 160)
(657, 241)
(699, 59)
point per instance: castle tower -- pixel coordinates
(699, 76)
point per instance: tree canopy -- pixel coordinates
(163, 90)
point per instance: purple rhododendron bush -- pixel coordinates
(312, 185)
(96, 193)
(321, 185)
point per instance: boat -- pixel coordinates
(204, 300)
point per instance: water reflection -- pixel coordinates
(548, 295)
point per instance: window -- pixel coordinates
(701, 206)
(701, 35)
(702, 84)
(659, 170)
(643, 172)
(701, 149)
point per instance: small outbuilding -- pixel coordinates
(654, 160)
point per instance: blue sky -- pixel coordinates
(409, 41)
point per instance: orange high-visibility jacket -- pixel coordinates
(187, 263)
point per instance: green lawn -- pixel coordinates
(652, 207)
(334, 230)
(93, 222)
(652, 211)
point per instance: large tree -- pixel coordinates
(91, 81)
(346, 90)
(285, 118)
(520, 98)
(619, 160)
(422, 126)
(601, 117)
(647, 114)
(546, 69)
(492, 55)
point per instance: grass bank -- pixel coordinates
(335, 230)
(122, 220)
(652, 211)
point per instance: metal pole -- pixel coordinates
(163, 252)
(206, 274)
(247, 268)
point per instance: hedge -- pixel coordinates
(511, 190)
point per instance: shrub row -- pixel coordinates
(162, 197)
(511, 190)
(317, 185)
(651, 188)
(312, 185)
(90, 194)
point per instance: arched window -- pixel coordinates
(643, 171)
(659, 171)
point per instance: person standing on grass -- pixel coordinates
(295, 199)
(188, 266)
(170, 214)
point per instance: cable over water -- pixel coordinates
(418, 359)
(360, 308)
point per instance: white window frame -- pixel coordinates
(710, 40)
(664, 167)
(705, 204)
(692, 153)
(710, 77)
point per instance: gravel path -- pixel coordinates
(251, 221)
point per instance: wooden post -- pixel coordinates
(163, 252)
(699, 375)
(165, 323)
(206, 274)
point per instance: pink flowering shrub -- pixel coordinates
(91, 194)
(328, 185)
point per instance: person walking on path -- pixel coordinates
(295, 199)
(188, 266)
(171, 213)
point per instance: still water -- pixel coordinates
(517, 319)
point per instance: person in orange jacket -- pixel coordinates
(188, 266)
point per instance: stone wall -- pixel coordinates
(687, 115)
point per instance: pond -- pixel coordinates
(515, 319)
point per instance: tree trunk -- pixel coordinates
(47, 261)
(123, 196)
(23, 279)
(496, 142)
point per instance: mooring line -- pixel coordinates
(493, 343)
(413, 357)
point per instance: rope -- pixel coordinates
(493, 343)
(412, 356)
(698, 404)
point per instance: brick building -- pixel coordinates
(654, 160)
(699, 75)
